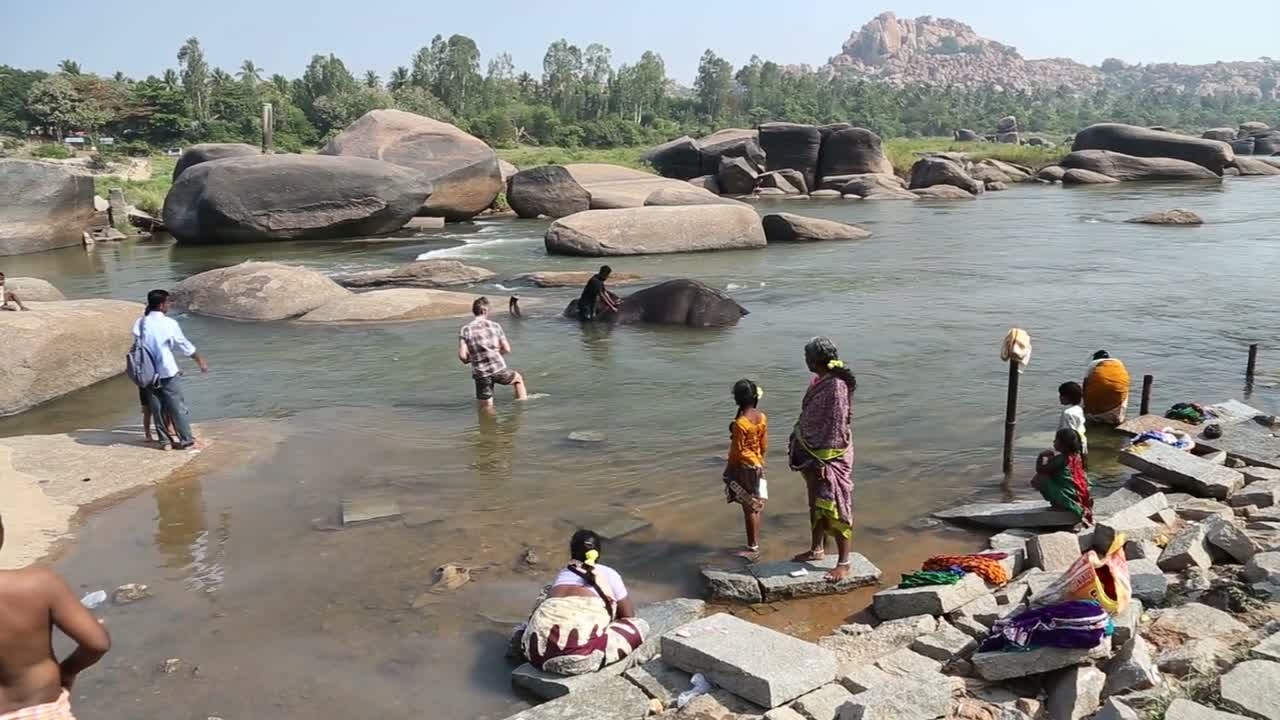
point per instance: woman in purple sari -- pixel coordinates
(821, 449)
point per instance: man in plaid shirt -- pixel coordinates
(481, 343)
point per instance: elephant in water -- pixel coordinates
(674, 302)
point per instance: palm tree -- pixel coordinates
(250, 74)
(399, 78)
(70, 67)
(119, 77)
(219, 77)
(371, 80)
(171, 78)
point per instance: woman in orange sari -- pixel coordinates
(1106, 390)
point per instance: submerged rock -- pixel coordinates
(1177, 216)
(256, 291)
(420, 274)
(392, 305)
(786, 227)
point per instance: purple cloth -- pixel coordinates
(1078, 624)
(824, 425)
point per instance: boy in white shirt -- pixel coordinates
(1071, 395)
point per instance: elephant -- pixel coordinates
(674, 302)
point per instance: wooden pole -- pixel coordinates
(1253, 362)
(1146, 393)
(1010, 416)
(268, 128)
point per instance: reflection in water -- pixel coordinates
(494, 442)
(184, 539)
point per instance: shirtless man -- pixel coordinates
(8, 296)
(34, 685)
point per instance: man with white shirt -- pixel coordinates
(161, 335)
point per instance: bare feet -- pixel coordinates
(810, 556)
(748, 553)
(840, 572)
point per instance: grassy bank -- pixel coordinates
(904, 152)
(527, 156)
(147, 195)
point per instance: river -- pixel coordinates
(273, 614)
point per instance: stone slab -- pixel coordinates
(1126, 622)
(611, 525)
(1189, 548)
(1197, 509)
(1147, 485)
(1183, 709)
(663, 617)
(614, 699)
(994, 666)
(984, 610)
(1116, 709)
(864, 677)
(777, 583)
(1196, 621)
(935, 600)
(1074, 693)
(1133, 668)
(920, 698)
(1003, 516)
(1202, 657)
(1128, 503)
(1253, 686)
(1053, 552)
(731, 653)
(783, 713)
(1247, 441)
(1253, 474)
(1268, 649)
(1148, 582)
(971, 627)
(1183, 470)
(1233, 411)
(368, 508)
(1012, 539)
(1149, 423)
(945, 644)
(736, 585)
(1263, 494)
(907, 662)
(659, 680)
(823, 703)
(1134, 530)
(1230, 538)
(857, 647)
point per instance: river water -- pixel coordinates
(274, 613)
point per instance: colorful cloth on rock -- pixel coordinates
(987, 565)
(821, 446)
(925, 578)
(59, 709)
(1106, 391)
(1065, 485)
(577, 635)
(1078, 624)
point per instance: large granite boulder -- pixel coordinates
(1242, 146)
(937, 170)
(854, 151)
(290, 197)
(966, 135)
(418, 274)
(59, 347)
(736, 176)
(392, 305)
(877, 186)
(786, 227)
(1131, 167)
(1267, 143)
(731, 142)
(1051, 174)
(1248, 167)
(461, 172)
(1249, 129)
(1225, 135)
(45, 206)
(549, 191)
(788, 146)
(1213, 155)
(674, 302)
(946, 192)
(1077, 176)
(29, 289)
(612, 186)
(256, 291)
(679, 158)
(790, 182)
(688, 195)
(506, 170)
(652, 230)
(204, 152)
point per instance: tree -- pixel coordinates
(170, 78)
(399, 79)
(218, 78)
(420, 101)
(714, 84)
(457, 75)
(371, 80)
(156, 112)
(325, 77)
(15, 87)
(500, 82)
(195, 78)
(641, 88)
(562, 76)
(597, 69)
(250, 73)
(69, 67)
(54, 103)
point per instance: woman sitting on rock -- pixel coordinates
(587, 620)
(1060, 476)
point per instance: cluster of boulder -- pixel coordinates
(46, 206)
(371, 179)
(1251, 138)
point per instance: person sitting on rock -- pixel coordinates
(1060, 476)
(33, 682)
(8, 296)
(587, 620)
(1106, 390)
(596, 297)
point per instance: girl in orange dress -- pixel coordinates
(744, 481)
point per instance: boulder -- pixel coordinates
(1225, 535)
(420, 274)
(1205, 656)
(461, 172)
(1253, 686)
(29, 289)
(392, 305)
(612, 186)
(786, 227)
(1002, 516)
(731, 142)
(1251, 167)
(1132, 167)
(204, 152)
(788, 146)
(45, 206)
(1117, 709)
(63, 346)
(989, 174)
(937, 170)
(1195, 621)
(674, 196)
(1074, 693)
(897, 602)
(1183, 709)
(1148, 581)
(1016, 173)
(290, 197)
(1253, 127)
(1177, 216)
(1076, 176)
(1225, 135)
(877, 187)
(1189, 548)
(825, 194)
(788, 181)
(679, 158)
(1054, 552)
(260, 291)
(853, 151)
(1009, 123)
(944, 192)
(1009, 138)
(1242, 146)
(736, 176)
(655, 230)
(675, 302)
(1267, 143)
(506, 170)
(1131, 669)
(1264, 567)
(710, 183)
(548, 190)
(966, 135)
(1212, 155)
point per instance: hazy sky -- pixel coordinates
(142, 36)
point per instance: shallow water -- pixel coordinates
(281, 616)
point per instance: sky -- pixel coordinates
(141, 37)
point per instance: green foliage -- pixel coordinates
(146, 195)
(904, 152)
(526, 156)
(53, 151)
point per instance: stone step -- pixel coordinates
(614, 699)
(1183, 470)
(1006, 516)
(756, 663)
(934, 600)
(768, 582)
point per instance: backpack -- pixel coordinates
(139, 364)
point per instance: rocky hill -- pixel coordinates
(941, 51)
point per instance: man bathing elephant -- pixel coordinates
(596, 298)
(675, 302)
